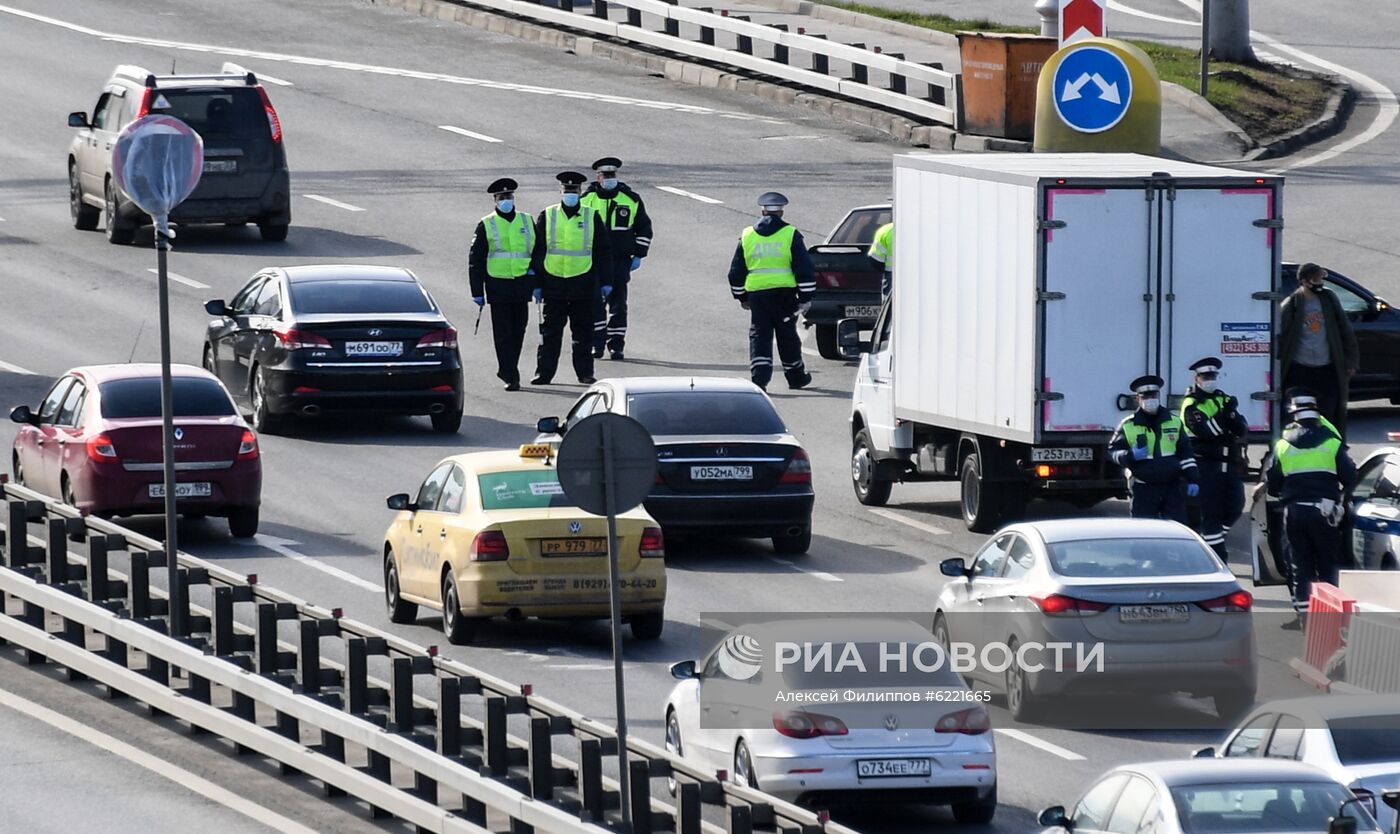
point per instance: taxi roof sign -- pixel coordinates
(536, 450)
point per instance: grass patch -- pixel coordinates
(1263, 100)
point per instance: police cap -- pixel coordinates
(1208, 365)
(504, 185)
(773, 201)
(1149, 384)
(607, 165)
(571, 178)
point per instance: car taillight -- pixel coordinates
(653, 545)
(799, 469)
(445, 338)
(147, 96)
(291, 339)
(100, 449)
(273, 123)
(808, 725)
(1366, 799)
(973, 722)
(1239, 601)
(1060, 605)
(489, 546)
(248, 446)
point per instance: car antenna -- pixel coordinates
(172, 66)
(692, 383)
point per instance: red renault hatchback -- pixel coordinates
(95, 440)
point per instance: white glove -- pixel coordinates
(803, 308)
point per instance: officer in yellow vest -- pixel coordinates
(1219, 434)
(572, 259)
(1311, 471)
(882, 253)
(498, 267)
(1152, 444)
(625, 215)
(772, 277)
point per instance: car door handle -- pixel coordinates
(420, 530)
(442, 534)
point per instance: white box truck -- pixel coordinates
(1030, 290)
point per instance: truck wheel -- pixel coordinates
(870, 490)
(826, 341)
(981, 501)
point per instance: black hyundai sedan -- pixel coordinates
(308, 340)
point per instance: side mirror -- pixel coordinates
(1391, 798)
(547, 425)
(953, 567)
(216, 307)
(1379, 305)
(22, 414)
(1127, 402)
(400, 501)
(1054, 817)
(684, 671)
(1341, 825)
(848, 343)
(1203, 753)
(78, 120)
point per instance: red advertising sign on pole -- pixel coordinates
(1080, 19)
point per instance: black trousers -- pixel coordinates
(1221, 501)
(773, 313)
(1158, 501)
(1313, 546)
(1322, 382)
(610, 318)
(577, 313)
(509, 320)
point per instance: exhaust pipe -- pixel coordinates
(794, 531)
(514, 615)
(311, 410)
(436, 408)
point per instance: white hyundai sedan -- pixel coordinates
(907, 735)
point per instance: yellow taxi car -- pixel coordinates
(493, 534)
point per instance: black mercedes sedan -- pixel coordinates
(1377, 328)
(308, 340)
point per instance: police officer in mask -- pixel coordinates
(1152, 444)
(498, 268)
(573, 261)
(771, 276)
(1219, 434)
(625, 216)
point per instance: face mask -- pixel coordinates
(570, 200)
(1209, 386)
(1317, 288)
(609, 183)
(1150, 405)
(505, 206)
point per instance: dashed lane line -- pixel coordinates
(180, 279)
(820, 574)
(196, 784)
(917, 525)
(328, 201)
(1042, 744)
(283, 547)
(471, 134)
(15, 369)
(691, 194)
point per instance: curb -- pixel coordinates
(1333, 119)
(1197, 104)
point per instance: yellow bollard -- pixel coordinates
(1099, 95)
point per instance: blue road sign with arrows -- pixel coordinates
(1092, 89)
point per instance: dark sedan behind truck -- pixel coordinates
(308, 340)
(848, 284)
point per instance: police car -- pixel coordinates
(491, 534)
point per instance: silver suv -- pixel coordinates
(245, 177)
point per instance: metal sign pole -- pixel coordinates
(1205, 46)
(615, 600)
(167, 411)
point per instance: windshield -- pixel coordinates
(526, 490)
(1272, 808)
(356, 296)
(193, 396)
(860, 227)
(705, 412)
(1366, 739)
(1131, 557)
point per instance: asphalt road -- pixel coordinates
(363, 132)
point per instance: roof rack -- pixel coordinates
(231, 73)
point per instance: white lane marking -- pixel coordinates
(820, 574)
(1053, 749)
(691, 194)
(1373, 90)
(262, 76)
(180, 279)
(328, 201)
(195, 784)
(15, 369)
(582, 667)
(917, 525)
(283, 547)
(469, 133)
(304, 60)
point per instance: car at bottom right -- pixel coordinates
(1355, 739)
(1210, 796)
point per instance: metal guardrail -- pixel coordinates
(924, 91)
(234, 674)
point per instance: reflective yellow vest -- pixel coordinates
(508, 244)
(624, 208)
(1295, 461)
(568, 241)
(1171, 428)
(1212, 405)
(882, 249)
(768, 259)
